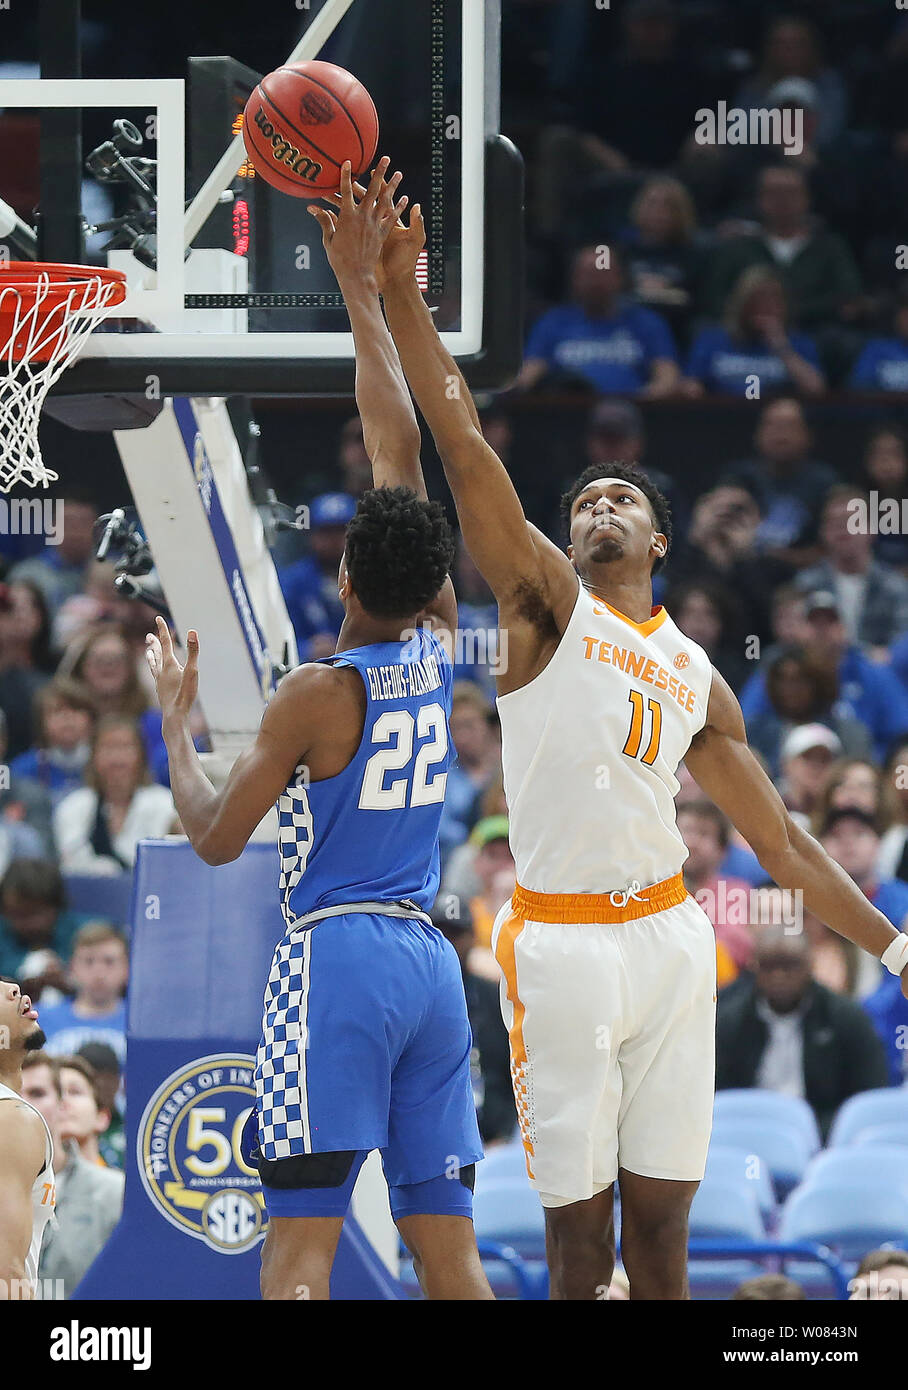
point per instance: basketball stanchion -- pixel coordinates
(46, 314)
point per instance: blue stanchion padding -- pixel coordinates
(193, 1218)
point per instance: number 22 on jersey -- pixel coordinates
(415, 788)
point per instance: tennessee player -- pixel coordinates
(609, 965)
(26, 1150)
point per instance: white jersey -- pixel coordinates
(589, 752)
(43, 1189)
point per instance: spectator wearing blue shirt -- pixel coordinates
(850, 836)
(65, 718)
(310, 585)
(617, 347)
(883, 364)
(753, 354)
(868, 692)
(801, 691)
(888, 1010)
(99, 971)
(60, 570)
(788, 485)
(871, 599)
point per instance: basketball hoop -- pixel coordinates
(46, 314)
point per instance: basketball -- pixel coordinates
(301, 123)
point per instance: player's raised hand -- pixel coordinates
(177, 685)
(402, 244)
(356, 228)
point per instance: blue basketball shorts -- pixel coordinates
(366, 1045)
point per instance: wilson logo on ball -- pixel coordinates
(284, 153)
(315, 109)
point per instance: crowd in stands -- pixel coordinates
(671, 255)
(659, 268)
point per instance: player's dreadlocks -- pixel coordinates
(399, 551)
(626, 473)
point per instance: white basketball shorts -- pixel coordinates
(612, 1034)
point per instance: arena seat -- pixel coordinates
(753, 1103)
(726, 1208)
(859, 1164)
(737, 1165)
(508, 1212)
(784, 1150)
(850, 1217)
(887, 1105)
(888, 1134)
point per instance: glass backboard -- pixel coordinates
(230, 291)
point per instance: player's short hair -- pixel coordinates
(44, 1059)
(94, 933)
(399, 551)
(626, 473)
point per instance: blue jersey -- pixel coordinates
(371, 832)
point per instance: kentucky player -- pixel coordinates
(366, 1042)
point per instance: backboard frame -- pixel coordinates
(488, 346)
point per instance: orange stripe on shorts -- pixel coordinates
(511, 928)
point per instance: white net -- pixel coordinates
(45, 319)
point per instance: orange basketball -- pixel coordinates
(303, 121)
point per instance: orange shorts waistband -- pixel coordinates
(622, 905)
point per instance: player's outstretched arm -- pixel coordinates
(723, 765)
(354, 233)
(219, 823)
(510, 553)
(22, 1144)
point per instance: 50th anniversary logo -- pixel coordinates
(189, 1156)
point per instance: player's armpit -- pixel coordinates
(22, 1146)
(260, 774)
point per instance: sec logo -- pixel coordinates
(682, 660)
(189, 1157)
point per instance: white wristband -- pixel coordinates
(895, 956)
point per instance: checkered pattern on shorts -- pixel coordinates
(294, 840)
(280, 1068)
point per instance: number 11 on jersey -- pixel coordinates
(634, 738)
